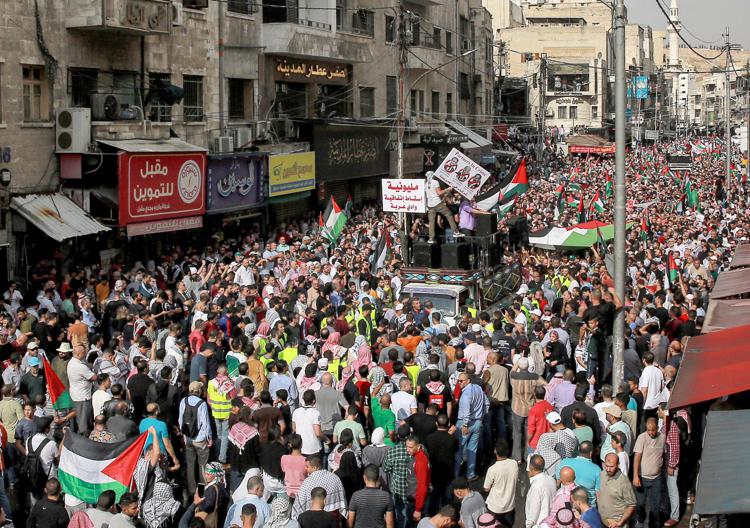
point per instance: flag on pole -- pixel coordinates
(559, 200)
(581, 209)
(58, 394)
(88, 468)
(645, 226)
(505, 209)
(518, 185)
(608, 187)
(596, 204)
(672, 274)
(334, 220)
(384, 247)
(348, 206)
(492, 196)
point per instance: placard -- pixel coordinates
(404, 196)
(461, 173)
(291, 173)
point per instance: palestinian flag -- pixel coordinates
(608, 187)
(581, 209)
(494, 195)
(672, 275)
(88, 468)
(58, 394)
(559, 200)
(506, 209)
(645, 227)
(348, 206)
(384, 247)
(571, 201)
(518, 185)
(333, 221)
(596, 204)
(579, 236)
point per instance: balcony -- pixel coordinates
(309, 39)
(425, 56)
(134, 17)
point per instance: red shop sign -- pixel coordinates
(163, 185)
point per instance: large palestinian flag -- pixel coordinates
(332, 221)
(88, 468)
(517, 186)
(579, 236)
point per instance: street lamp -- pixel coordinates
(400, 141)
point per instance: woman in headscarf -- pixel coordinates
(360, 354)
(350, 474)
(158, 504)
(215, 497)
(332, 343)
(261, 339)
(244, 447)
(346, 444)
(281, 510)
(375, 452)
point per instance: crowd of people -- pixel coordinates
(285, 382)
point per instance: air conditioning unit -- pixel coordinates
(223, 145)
(177, 13)
(73, 130)
(242, 137)
(261, 130)
(105, 107)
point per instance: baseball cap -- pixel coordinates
(398, 307)
(323, 363)
(554, 417)
(34, 361)
(32, 345)
(476, 328)
(537, 312)
(193, 269)
(614, 410)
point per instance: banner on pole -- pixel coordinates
(461, 173)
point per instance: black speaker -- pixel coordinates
(456, 256)
(486, 224)
(424, 255)
(518, 231)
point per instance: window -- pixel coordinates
(391, 95)
(421, 101)
(463, 32)
(81, 84)
(35, 94)
(436, 38)
(366, 102)
(573, 112)
(363, 22)
(413, 103)
(465, 92)
(415, 29)
(562, 112)
(192, 104)
(244, 7)
(435, 104)
(449, 42)
(390, 29)
(448, 105)
(594, 112)
(240, 99)
(160, 112)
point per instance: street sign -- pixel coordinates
(652, 135)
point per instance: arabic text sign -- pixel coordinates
(233, 181)
(404, 196)
(164, 185)
(461, 173)
(301, 71)
(165, 226)
(291, 173)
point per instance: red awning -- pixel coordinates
(713, 365)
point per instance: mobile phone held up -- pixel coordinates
(201, 490)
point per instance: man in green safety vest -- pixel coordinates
(364, 322)
(220, 392)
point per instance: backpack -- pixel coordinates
(33, 468)
(190, 419)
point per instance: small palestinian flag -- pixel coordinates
(384, 247)
(333, 221)
(348, 206)
(581, 209)
(596, 204)
(88, 468)
(559, 200)
(608, 188)
(672, 275)
(517, 186)
(58, 394)
(506, 209)
(645, 226)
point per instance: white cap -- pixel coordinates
(553, 417)
(523, 290)
(193, 269)
(537, 312)
(476, 327)
(398, 307)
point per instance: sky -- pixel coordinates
(705, 19)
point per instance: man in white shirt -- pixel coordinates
(403, 402)
(244, 275)
(102, 395)
(436, 205)
(651, 384)
(542, 488)
(475, 353)
(306, 423)
(80, 378)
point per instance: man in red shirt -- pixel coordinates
(196, 338)
(537, 421)
(421, 473)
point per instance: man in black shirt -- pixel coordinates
(49, 512)
(504, 342)
(138, 386)
(442, 447)
(316, 516)
(371, 507)
(424, 423)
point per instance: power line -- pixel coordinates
(709, 59)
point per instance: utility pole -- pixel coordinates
(747, 95)
(222, 115)
(727, 118)
(542, 107)
(618, 352)
(402, 58)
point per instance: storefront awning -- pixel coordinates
(713, 365)
(721, 487)
(153, 145)
(56, 215)
(478, 139)
(726, 313)
(731, 283)
(741, 257)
